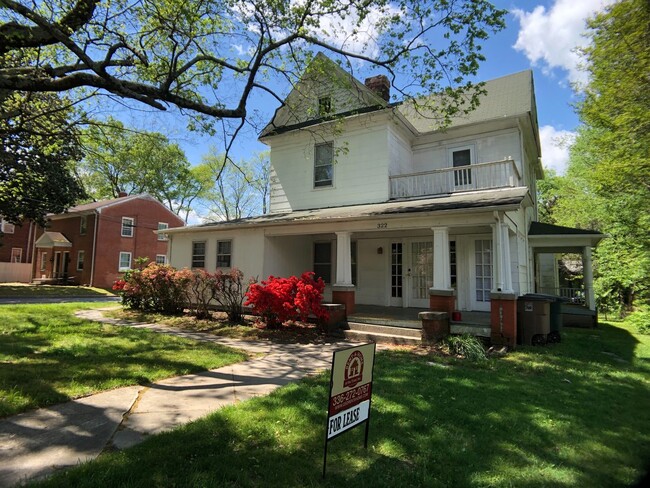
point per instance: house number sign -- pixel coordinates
(350, 392)
(382, 225)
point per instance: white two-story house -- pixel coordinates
(389, 210)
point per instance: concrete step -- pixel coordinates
(364, 336)
(472, 329)
(385, 329)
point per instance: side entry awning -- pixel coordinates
(53, 239)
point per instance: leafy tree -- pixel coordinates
(236, 193)
(208, 57)
(120, 160)
(607, 186)
(40, 143)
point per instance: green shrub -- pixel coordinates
(467, 346)
(640, 319)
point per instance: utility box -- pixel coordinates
(533, 319)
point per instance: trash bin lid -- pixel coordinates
(539, 297)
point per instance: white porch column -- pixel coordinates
(441, 269)
(343, 259)
(497, 258)
(506, 259)
(589, 278)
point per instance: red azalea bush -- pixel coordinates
(278, 300)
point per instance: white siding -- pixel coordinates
(247, 249)
(400, 155)
(372, 271)
(360, 167)
(488, 147)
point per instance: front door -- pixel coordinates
(56, 265)
(481, 274)
(420, 273)
(396, 274)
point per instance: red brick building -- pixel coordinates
(93, 244)
(16, 242)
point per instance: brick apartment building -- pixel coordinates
(93, 244)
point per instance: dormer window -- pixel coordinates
(324, 106)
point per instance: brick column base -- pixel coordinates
(345, 296)
(503, 319)
(435, 326)
(442, 300)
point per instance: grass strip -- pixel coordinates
(48, 356)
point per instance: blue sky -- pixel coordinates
(541, 35)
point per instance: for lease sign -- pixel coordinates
(350, 388)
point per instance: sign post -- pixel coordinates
(350, 392)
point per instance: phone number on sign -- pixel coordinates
(349, 398)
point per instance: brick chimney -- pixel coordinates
(122, 194)
(380, 85)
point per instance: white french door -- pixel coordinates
(481, 269)
(396, 274)
(421, 273)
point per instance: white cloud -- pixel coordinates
(555, 147)
(549, 38)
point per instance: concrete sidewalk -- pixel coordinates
(37, 443)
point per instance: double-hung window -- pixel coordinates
(125, 261)
(161, 259)
(80, 260)
(198, 254)
(83, 225)
(128, 226)
(323, 165)
(224, 254)
(162, 226)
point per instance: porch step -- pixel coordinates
(472, 329)
(364, 336)
(385, 329)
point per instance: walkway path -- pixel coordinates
(35, 444)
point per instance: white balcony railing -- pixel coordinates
(481, 176)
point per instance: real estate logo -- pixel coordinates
(353, 369)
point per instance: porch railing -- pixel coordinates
(481, 176)
(574, 295)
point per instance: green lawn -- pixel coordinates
(575, 414)
(48, 356)
(19, 290)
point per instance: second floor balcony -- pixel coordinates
(481, 176)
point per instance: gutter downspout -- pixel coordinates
(92, 263)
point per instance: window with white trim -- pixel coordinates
(161, 259)
(198, 254)
(162, 226)
(16, 254)
(224, 254)
(323, 165)
(128, 226)
(43, 261)
(83, 224)
(6, 227)
(125, 261)
(323, 261)
(80, 260)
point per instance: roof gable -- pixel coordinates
(322, 78)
